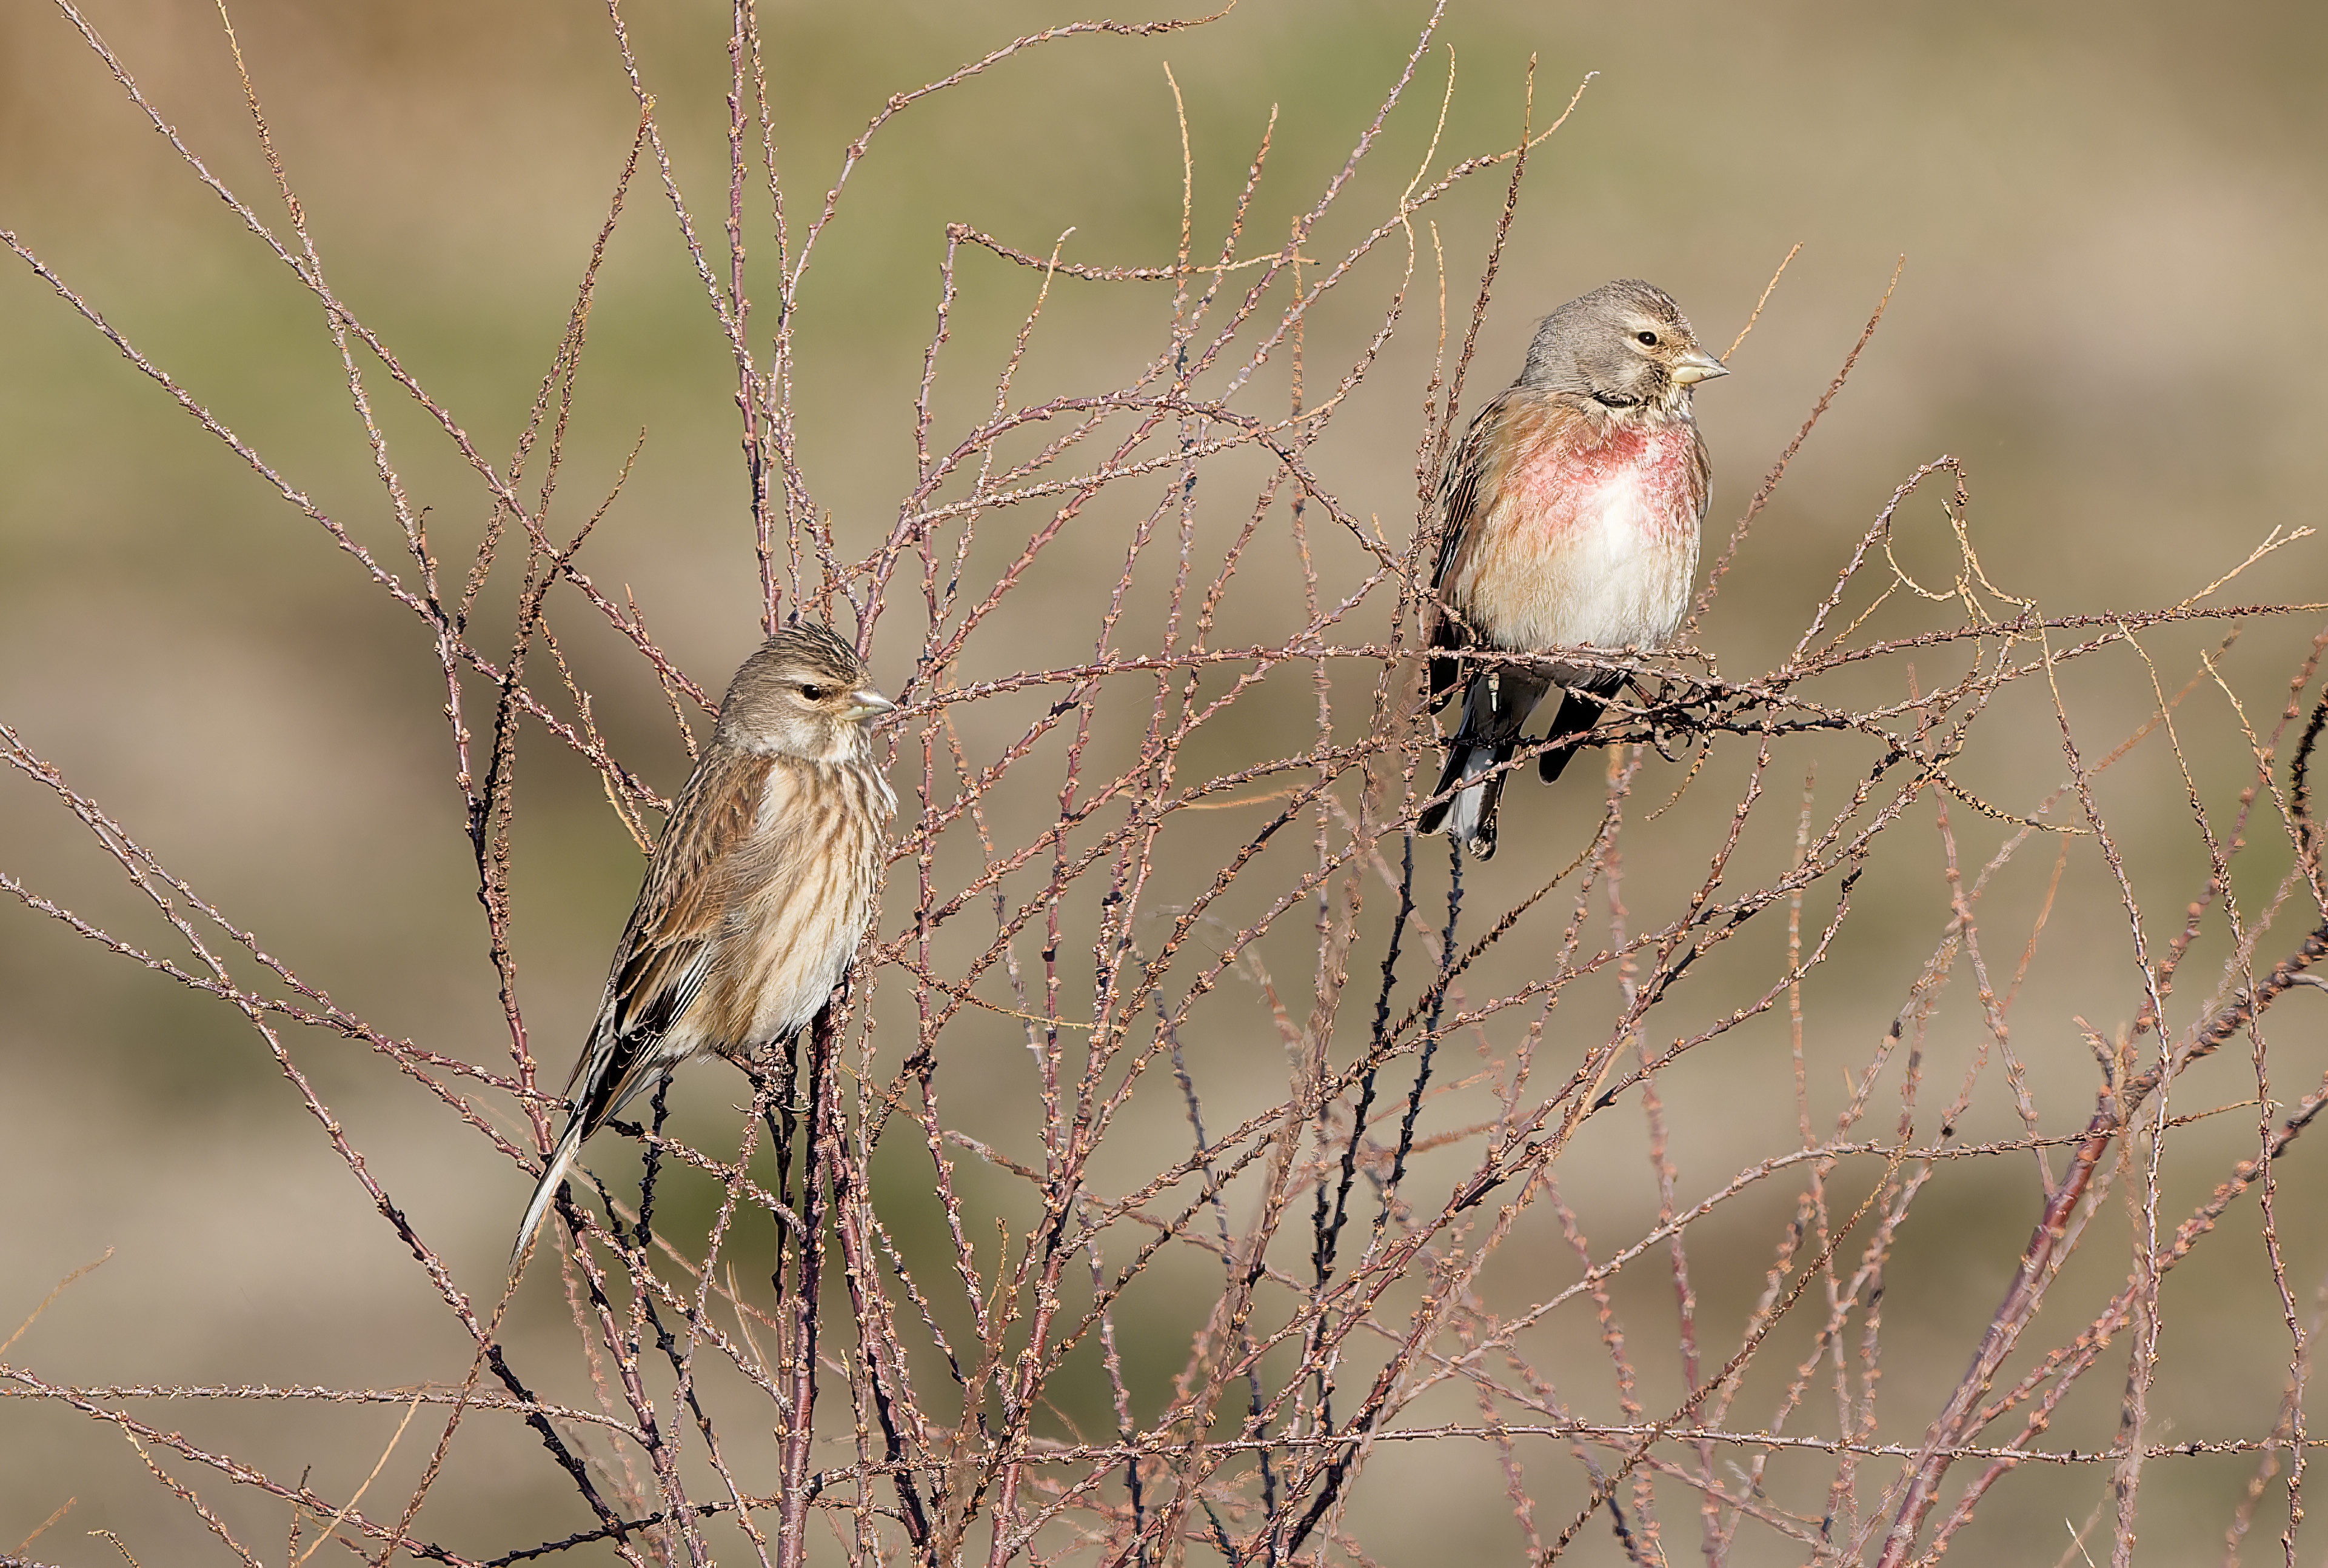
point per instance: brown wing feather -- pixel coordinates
(1475, 468)
(659, 961)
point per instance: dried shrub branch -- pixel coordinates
(1313, 1188)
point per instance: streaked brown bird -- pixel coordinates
(755, 899)
(1569, 520)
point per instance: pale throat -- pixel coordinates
(829, 744)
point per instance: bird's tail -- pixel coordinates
(1495, 710)
(1495, 705)
(553, 1176)
(1469, 815)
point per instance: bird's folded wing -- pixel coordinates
(669, 946)
(1475, 469)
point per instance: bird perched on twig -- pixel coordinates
(757, 894)
(1569, 520)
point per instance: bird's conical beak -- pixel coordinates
(865, 703)
(1697, 365)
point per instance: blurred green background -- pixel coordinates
(2111, 310)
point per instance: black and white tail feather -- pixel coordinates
(1496, 709)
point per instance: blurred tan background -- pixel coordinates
(2111, 310)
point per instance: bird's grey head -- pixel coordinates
(1625, 345)
(804, 694)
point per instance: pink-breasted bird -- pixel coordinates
(757, 894)
(1569, 520)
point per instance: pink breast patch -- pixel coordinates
(1559, 479)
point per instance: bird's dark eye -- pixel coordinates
(1646, 338)
(815, 693)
